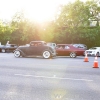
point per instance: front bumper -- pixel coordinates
(89, 54)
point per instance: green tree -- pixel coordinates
(24, 30)
(5, 31)
(73, 22)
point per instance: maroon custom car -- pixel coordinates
(69, 50)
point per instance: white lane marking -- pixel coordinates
(60, 78)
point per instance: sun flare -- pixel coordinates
(41, 11)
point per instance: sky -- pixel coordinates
(39, 10)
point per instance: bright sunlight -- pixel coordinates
(38, 10)
(41, 11)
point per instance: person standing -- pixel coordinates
(7, 43)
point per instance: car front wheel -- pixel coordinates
(46, 54)
(73, 55)
(17, 53)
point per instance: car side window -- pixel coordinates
(32, 44)
(66, 47)
(61, 47)
(35, 44)
(12, 45)
(8, 46)
(39, 44)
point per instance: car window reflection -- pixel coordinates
(67, 47)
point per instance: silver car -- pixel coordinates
(81, 46)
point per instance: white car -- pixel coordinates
(94, 51)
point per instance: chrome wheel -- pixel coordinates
(3, 50)
(46, 54)
(17, 53)
(72, 54)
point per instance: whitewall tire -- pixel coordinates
(46, 54)
(17, 53)
(73, 55)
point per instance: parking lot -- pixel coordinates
(59, 78)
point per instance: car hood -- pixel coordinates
(91, 50)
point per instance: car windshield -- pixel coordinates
(93, 48)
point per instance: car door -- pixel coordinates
(39, 49)
(66, 50)
(60, 50)
(33, 49)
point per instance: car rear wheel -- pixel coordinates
(17, 53)
(73, 55)
(3, 50)
(46, 54)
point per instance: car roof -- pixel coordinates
(65, 44)
(11, 44)
(39, 41)
(78, 43)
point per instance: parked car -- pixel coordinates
(94, 51)
(81, 46)
(35, 48)
(69, 50)
(8, 48)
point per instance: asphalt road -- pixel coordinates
(60, 78)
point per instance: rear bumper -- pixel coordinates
(53, 54)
